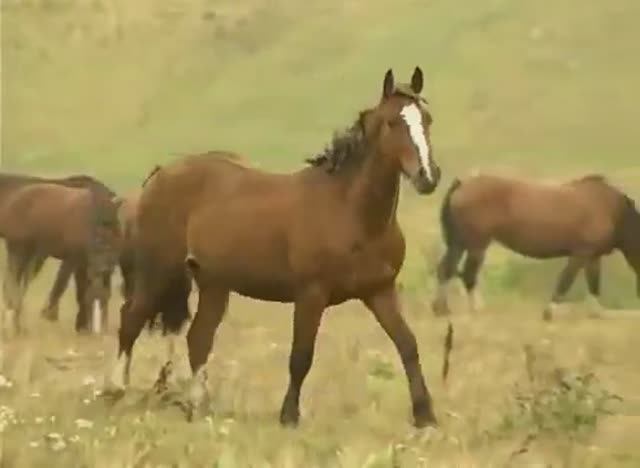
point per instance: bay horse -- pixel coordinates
(316, 238)
(76, 225)
(582, 219)
(10, 182)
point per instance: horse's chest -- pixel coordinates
(367, 266)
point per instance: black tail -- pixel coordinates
(446, 221)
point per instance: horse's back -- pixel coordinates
(45, 207)
(534, 218)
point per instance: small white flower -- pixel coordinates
(38, 420)
(86, 401)
(74, 438)
(58, 445)
(52, 419)
(35, 395)
(34, 444)
(71, 352)
(84, 423)
(54, 436)
(4, 382)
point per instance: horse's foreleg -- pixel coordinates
(29, 265)
(386, 307)
(212, 305)
(593, 275)
(10, 287)
(447, 269)
(50, 310)
(82, 289)
(307, 316)
(565, 280)
(472, 265)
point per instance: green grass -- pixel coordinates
(112, 87)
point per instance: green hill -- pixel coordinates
(111, 87)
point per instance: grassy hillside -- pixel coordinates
(112, 87)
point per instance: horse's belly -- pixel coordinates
(535, 244)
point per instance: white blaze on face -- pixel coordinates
(413, 117)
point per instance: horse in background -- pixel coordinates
(10, 182)
(76, 225)
(315, 238)
(583, 219)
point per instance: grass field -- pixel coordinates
(112, 87)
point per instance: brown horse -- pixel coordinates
(315, 238)
(44, 220)
(582, 219)
(128, 207)
(9, 183)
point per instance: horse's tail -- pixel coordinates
(446, 220)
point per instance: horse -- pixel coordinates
(583, 219)
(9, 183)
(77, 225)
(316, 237)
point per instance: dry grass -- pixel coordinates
(355, 403)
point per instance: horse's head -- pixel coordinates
(404, 133)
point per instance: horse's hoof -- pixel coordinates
(422, 421)
(440, 309)
(423, 415)
(289, 419)
(112, 393)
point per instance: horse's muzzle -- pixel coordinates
(425, 184)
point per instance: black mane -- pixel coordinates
(346, 145)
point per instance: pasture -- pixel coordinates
(110, 88)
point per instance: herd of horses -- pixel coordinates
(314, 238)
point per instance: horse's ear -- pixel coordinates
(417, 80)
(388, 85)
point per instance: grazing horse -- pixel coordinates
(77, 225)
(315, 238)
(9, 183)
(582, 219)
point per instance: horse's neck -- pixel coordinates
(374, 193)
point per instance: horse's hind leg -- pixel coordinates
(593, 274)
(447, 269)
(133, 316)
(212, 305)
(472, 265)
(175, 311)
(50, 310)
(565, 280)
